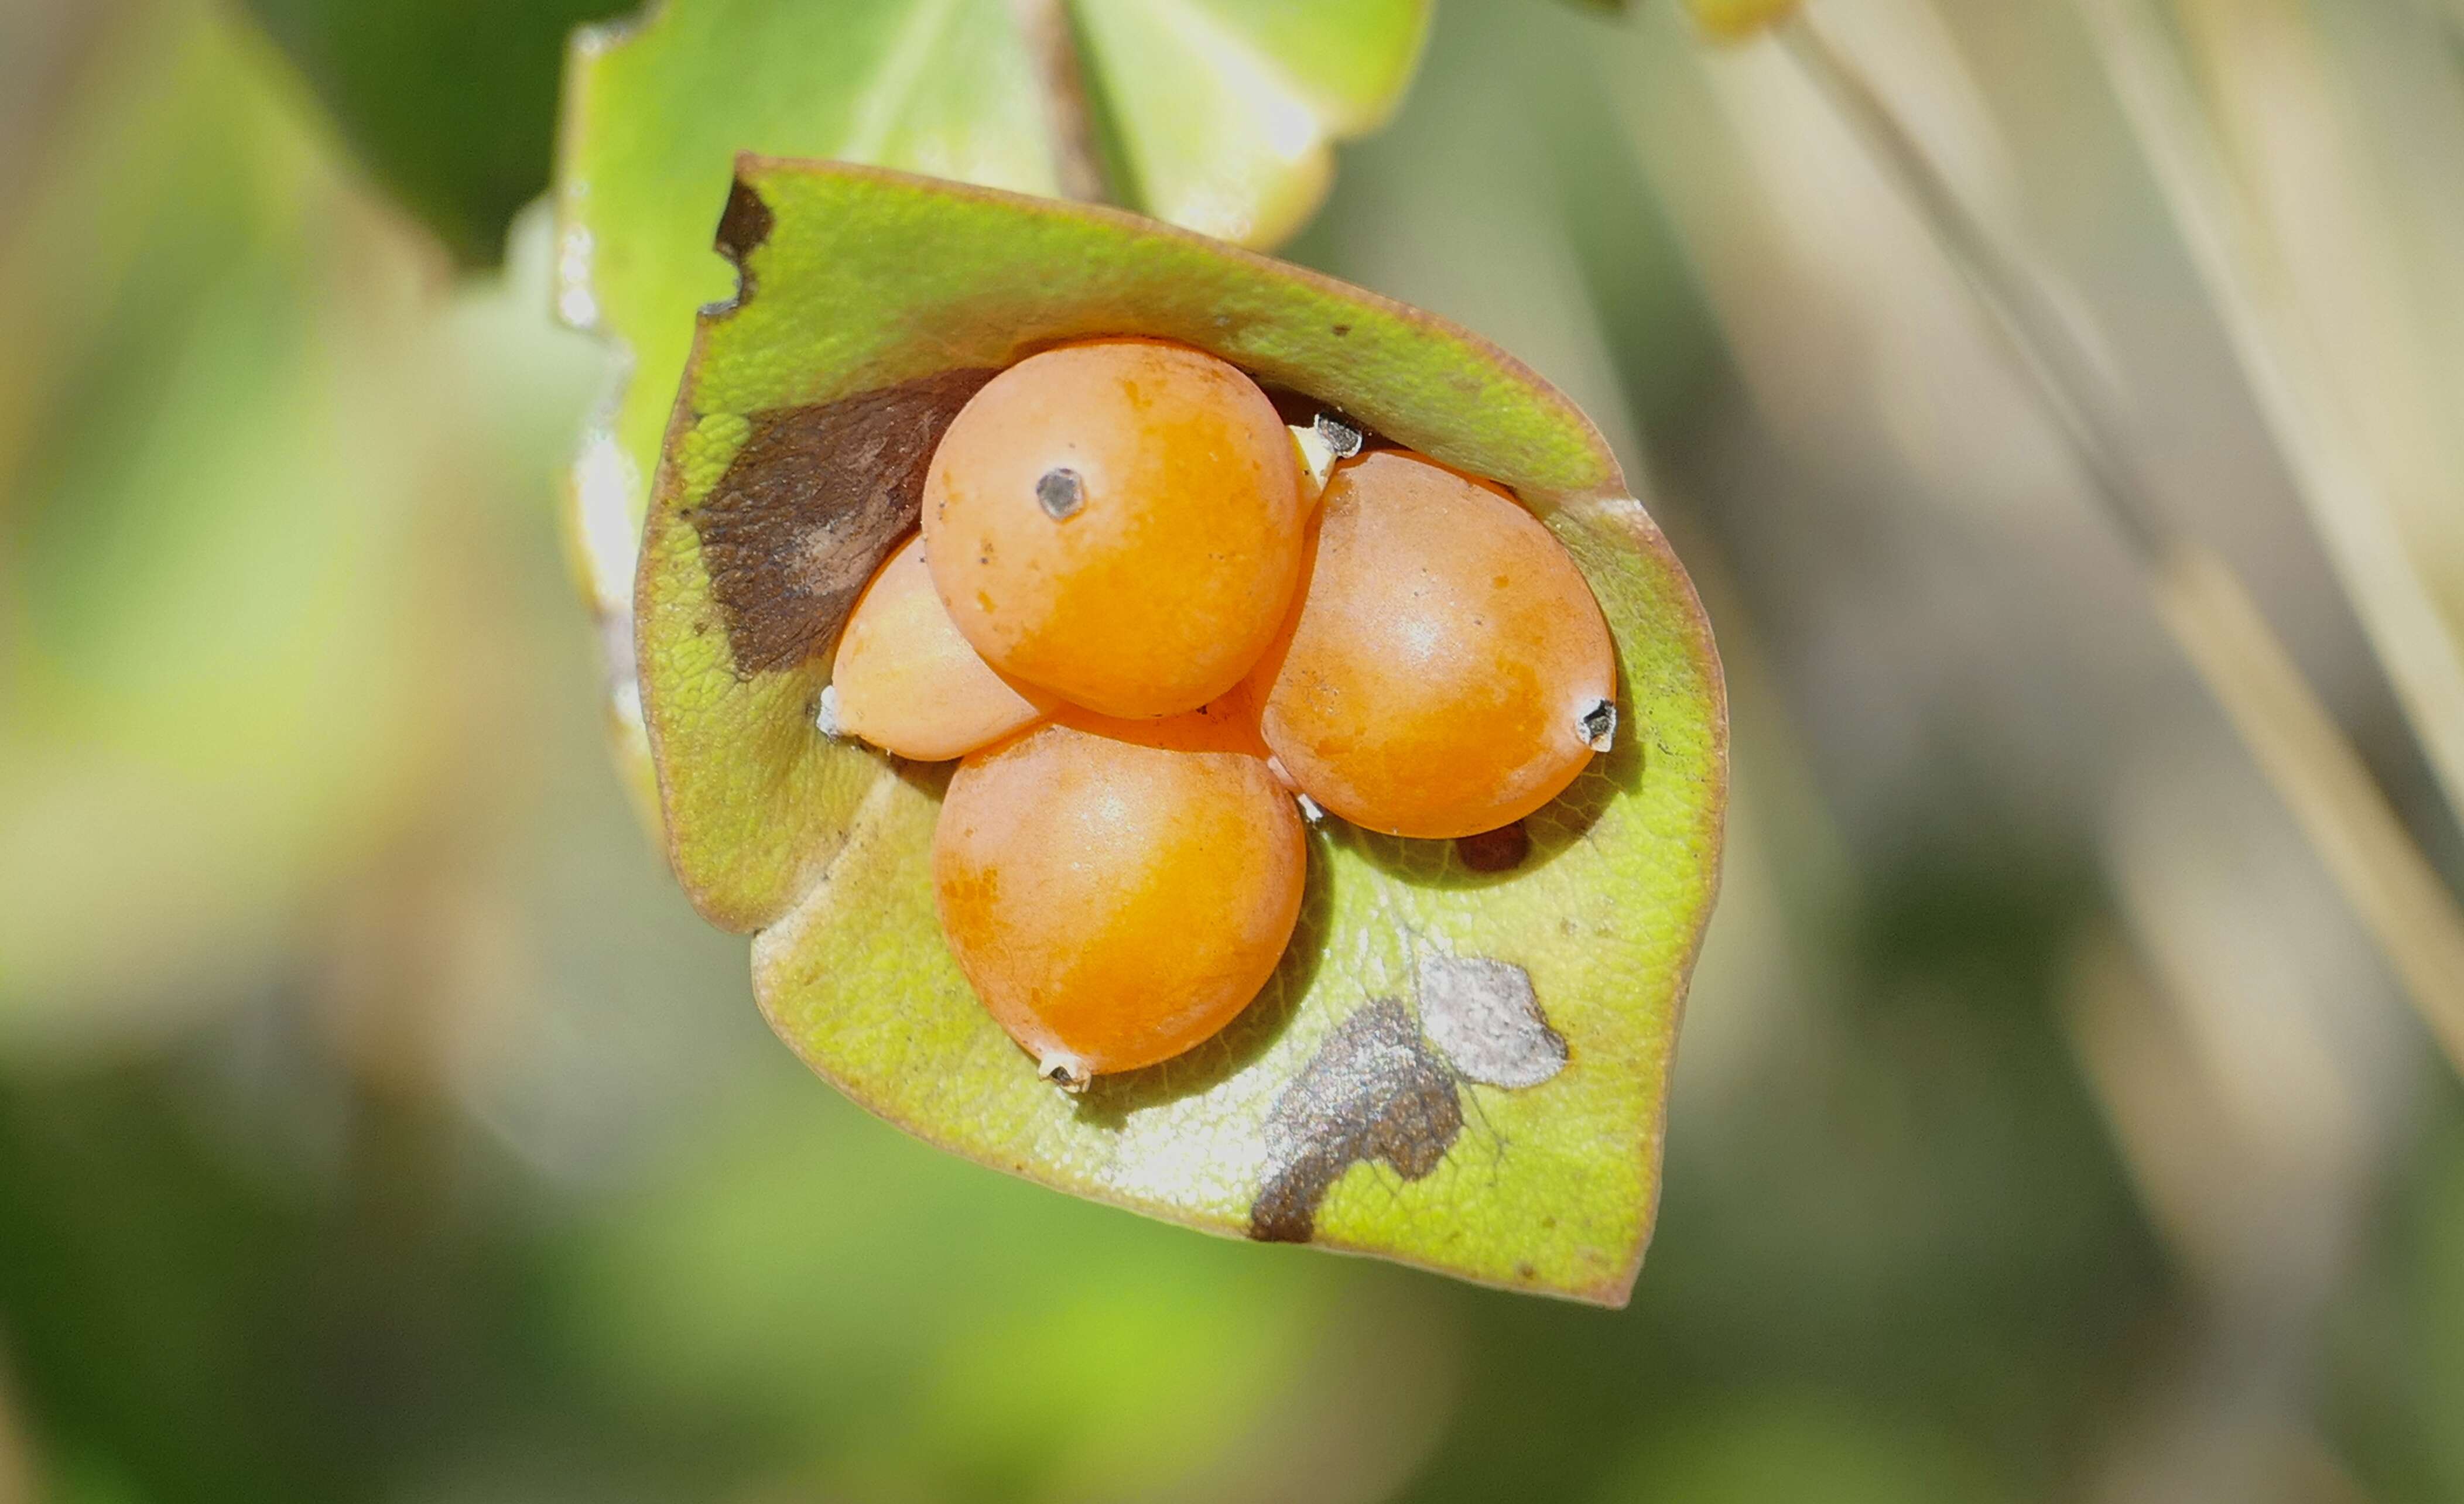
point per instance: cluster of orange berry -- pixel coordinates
(1154, 621)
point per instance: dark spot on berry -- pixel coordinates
(1600, 725)
(1060, 493)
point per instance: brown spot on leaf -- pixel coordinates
(810, 507)
(1498, 850)
(743, 224)
(1372, 1092)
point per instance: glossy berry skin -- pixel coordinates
(1115, 901)
(1435, 678)
(1119, 522)
(903, 679)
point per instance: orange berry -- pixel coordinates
(1119, 522)
(1116, 902)
(903, 679)
(1447, 670)
(1229, 725)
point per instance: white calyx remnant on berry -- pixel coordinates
(826, 715)
(1326, 439)
(1599, 724)
(1317, 461)
(1064, 1070)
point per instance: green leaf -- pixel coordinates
(225, 685)
(1345, 1106)
(1217, 114)
(451, 102)
(970, 1330)
(1224, 107)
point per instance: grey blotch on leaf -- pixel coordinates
(1486, 1019)
(1060, 493)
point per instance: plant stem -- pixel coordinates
(2306, 755)
(2260, 298)
(2297, 745)
(1044, 25)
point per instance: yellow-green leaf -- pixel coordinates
(1457, 1066)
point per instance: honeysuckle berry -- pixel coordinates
(905, 681)
(1446, 670)
(1118, 521)
(1116, 892)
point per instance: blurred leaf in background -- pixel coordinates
(451, 103)
(2398, 1381)
(870, 1318)
(1774, 1447)
(222, 687)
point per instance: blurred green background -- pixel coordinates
(377, 1122)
